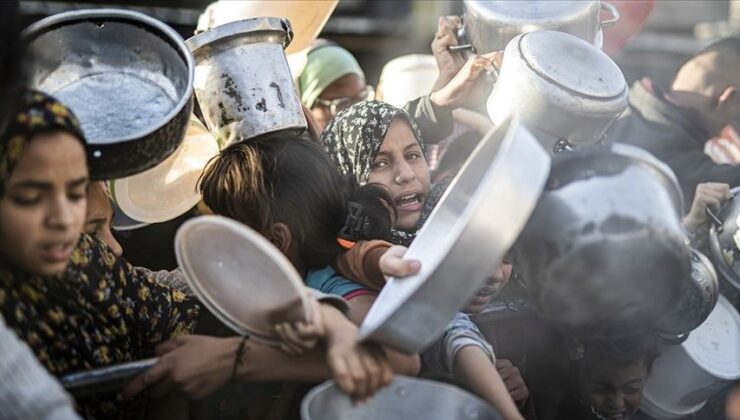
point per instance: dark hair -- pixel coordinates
(728, 46)
(623, 352)
(11, 76)
(287, 178)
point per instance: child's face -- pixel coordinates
(614, 392)
(496, 282)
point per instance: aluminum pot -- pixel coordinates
(242, 79)
(604, 252)
(724, 247)
(698, 298)
(404, 398)
(490, 25)
(504, 176)
(565, 90)
(126, 76)
(685, 376)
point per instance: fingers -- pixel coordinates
(359, 376)
(170, 345)
(392, 263)
(341, 374)
(143, 381)
(520, 393)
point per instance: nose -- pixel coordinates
(404, 173)
(61, 214)
(109, 239)
(615, 402)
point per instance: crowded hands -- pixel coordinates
(360, 370)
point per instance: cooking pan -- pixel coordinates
(724, 246)
(604, 252)
(126, 76)
(404, 398)
(462, 242)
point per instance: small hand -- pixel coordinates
(448, 63)
(392, 263)
(708, 195)
(513, 380)
(457, 90)
(297, 338)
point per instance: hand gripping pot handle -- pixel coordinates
(612, 11)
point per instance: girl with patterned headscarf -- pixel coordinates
(64, 292)
(379, 143)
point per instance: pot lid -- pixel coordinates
(246, 31)
(122, 222)
(573, 64)
(169, 189)
(242, 278)
(530, 11)
(715, 344)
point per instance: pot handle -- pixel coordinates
(605, 5)
(715, 220)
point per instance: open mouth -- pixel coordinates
(409, 202)
(621, 415)
(57, 252)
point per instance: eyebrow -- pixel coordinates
(41, 185)
(96, 221)
(405, 149)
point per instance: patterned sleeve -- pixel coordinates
(435, 123)
(174, 279)
(155, 312)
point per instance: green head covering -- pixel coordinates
(325, 65)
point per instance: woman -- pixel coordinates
(64, 292)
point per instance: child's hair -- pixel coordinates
(624, 352)
(287, 178)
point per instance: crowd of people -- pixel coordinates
(342, 201)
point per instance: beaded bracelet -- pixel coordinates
(238, 358)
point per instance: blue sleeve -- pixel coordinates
(328, 281)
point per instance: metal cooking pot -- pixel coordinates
(126, 76)
(475, 223)
(404, 398)
(490, 25)
(724, 247)
(242, 79)
(565, 90)
(685, 376)
(699, 296)
(604, 252)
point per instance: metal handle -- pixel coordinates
(612, 11)
(716, 220)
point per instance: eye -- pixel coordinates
(413, 156)
(378, 165)
(26, 199)
(76, 195)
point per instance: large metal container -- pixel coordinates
(685, 376)
(464, 239)
(604, 252)
(490, 25)
(565, 90)
(242, 79)
(404, 398)
(126, 76)
(724, 247)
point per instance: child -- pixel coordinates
(285, 187)
(608, 378)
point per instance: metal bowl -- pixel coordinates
(127, 77)
(404, 398)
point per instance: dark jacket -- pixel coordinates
(435, 123)
(674, 135)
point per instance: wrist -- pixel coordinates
(440, 100)
(337, 326)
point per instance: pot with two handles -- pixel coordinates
(490, 25)
(566, 91)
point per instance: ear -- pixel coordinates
(281, 237)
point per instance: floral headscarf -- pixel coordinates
(353, 138)
(38, 113)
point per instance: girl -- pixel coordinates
(64, 292)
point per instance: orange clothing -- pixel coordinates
(361, 263)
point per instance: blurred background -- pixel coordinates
(379, 30)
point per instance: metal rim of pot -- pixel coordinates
(267, 25)
(716, 253)
(100, 16)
